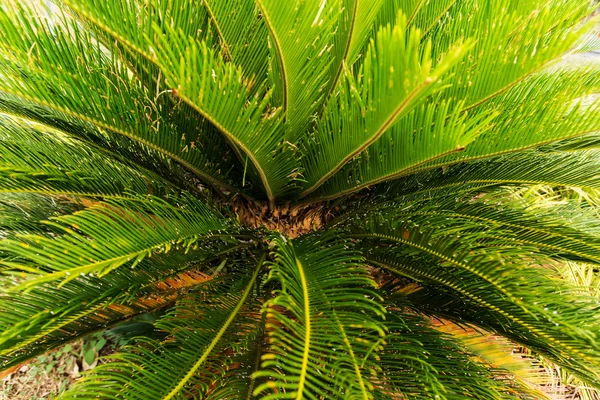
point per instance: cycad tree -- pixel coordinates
(313, 196)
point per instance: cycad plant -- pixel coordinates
(314, 198)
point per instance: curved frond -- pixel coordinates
(501, 354)
(301, 34)
(423, 14)
(50, 315)
(396, 75)
(513, 39)
(239, 380)
(112, 145)
(199, 327)
(43, 162)
(20, 213)
(482, 265)
(326, 303)
(126, 25)
(427, 133)
(438, 136)
(108, 236)
(415, 354)
(219, 92)
(355, 22)
(577, 169)
(242, 35)
(88, 82)
(548, 107)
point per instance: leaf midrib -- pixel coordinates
(279, 51)
(485, 304)
(75, 271)
(420, 168)
(236, 141)
(225, 46)
(208, 178)
(307, 327)
(219, 334)
(52, 328)
(153, 60)
(389, 121)
(346, 51)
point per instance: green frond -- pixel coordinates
(238, 381)
(439, 301)
(575, 169)
(590, 141)
(111, 145)
(43, 162)
(307, 199)
(421, 363)
(48, 316)
(200, 331)
(73, 277)
(242, 35)
(500, 353)
(322, 325)
(513, 39)
(126, 25)
(397, 74)
(590, 42)
(20, 213)
(218, 91)
(481, 266)
(107, 236)
(88, 82)
(548, 107)
(423, 14)
(300, 38)
(356, 20)
(427, 133)
(582, 275)
(438, 136)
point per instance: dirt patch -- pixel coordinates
(45, 376)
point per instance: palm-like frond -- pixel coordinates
(425, 134)
(85, 79)
(242, 36)
(510, 125)
(21, 212)
(46, 163)
(108, 236)
(300, 37)
(196, 328)
(513, 40)
(239, 381)
(67, 296)
(357, 18)
(415, 353)
(219, 93)
(475, 259)
(48, 317)
(198, 75)
(325, 314)
(397, 74)
(422, 14)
